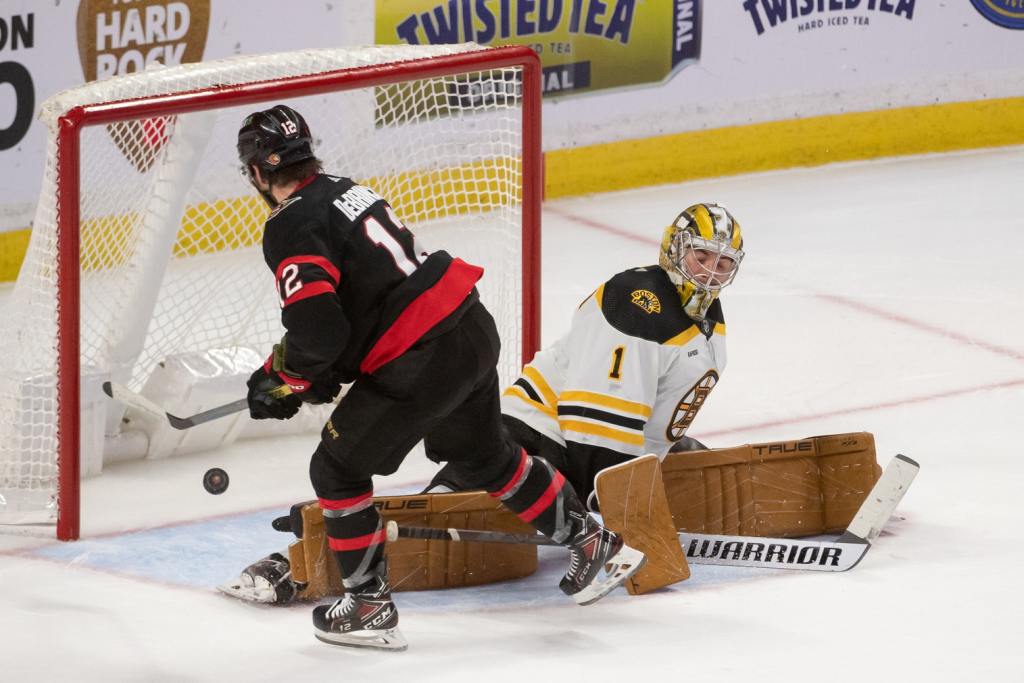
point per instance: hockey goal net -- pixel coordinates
(146, 241)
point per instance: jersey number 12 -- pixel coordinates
(380, 236)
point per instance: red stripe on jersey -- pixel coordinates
(544, 502)
(312, 289)
(320, 261)
(359, 542)
(425, 311)
(344, 503)
(303, 183)
(515, 477)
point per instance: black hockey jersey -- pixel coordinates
(356, 289)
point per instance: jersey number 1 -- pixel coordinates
(617, 354)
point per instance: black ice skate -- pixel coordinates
(591, 549)
(363, 617)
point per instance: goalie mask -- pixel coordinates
(271, 140)
(701, 253)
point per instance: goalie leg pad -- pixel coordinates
(416, 564)
(633, 504)
(783, 488)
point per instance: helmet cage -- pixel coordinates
(713, 280)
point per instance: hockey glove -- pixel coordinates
(273, 392)
(268, 580)
(315, 391)
(271, 397)
(277, 392)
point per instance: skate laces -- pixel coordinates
(342, 607)
(579, 558)
(575, 558)
(377, 591)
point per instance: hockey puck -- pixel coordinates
(215, 480)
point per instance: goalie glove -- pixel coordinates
(267, 581)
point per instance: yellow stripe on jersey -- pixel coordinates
(606, 401)
(523, 396)
(684, 337)
(599, 295)
(631, 438)
(720, 328)
(542, 385)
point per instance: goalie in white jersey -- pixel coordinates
(644, 352)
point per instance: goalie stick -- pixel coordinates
(840, 555)
(125, 395)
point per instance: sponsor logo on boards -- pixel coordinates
(1005, 13)
(584, 45)
(809, 15)
(118, 37)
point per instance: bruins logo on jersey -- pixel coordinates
(646, 300)
(688, 407)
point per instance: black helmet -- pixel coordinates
(274, 138)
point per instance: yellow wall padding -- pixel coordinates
(627, 164)
(12, 251)
(784, 144)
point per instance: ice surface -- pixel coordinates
(885, 296)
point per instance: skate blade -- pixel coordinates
(625, 563)
(390, 639)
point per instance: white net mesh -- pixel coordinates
(170, 260)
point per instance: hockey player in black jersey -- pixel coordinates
(363, 303)
(642, 355)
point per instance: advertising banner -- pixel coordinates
(584, 45)
(770, 60)
(613, 69)
(47, 47)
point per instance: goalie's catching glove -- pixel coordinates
(277, 392)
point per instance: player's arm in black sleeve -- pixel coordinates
(317, 329)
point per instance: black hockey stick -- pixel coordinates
(839, 555)
(125, 395)
(395, 532)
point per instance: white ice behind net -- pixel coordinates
(170, 260)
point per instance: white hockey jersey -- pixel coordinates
(630, 375)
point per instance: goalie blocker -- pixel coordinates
(724, 496)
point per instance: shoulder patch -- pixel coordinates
(647, 300)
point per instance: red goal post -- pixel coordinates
(380, 78)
